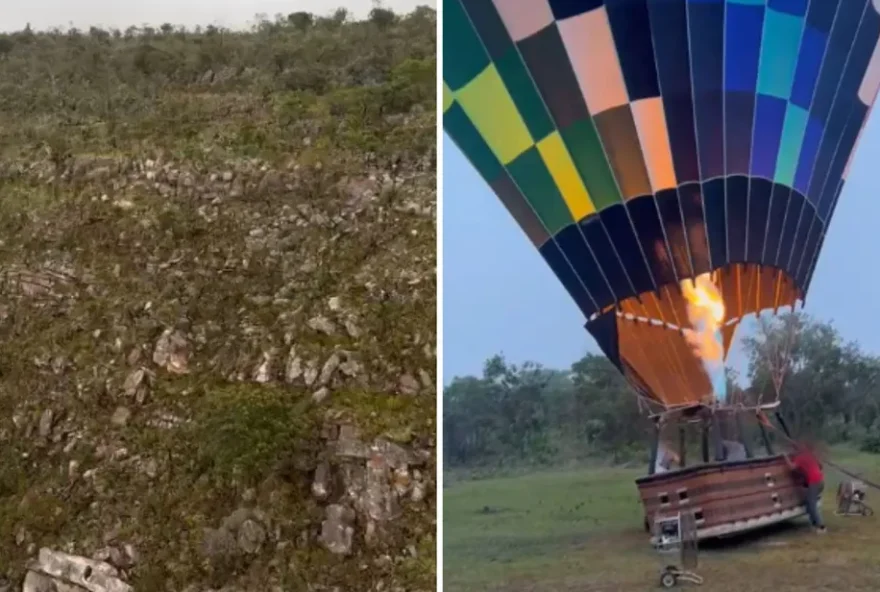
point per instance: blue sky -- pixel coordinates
(500, 297)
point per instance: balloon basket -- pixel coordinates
(726, 498)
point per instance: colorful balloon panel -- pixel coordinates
(640, 142)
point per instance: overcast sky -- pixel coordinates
(45, 14)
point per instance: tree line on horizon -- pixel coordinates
(527, 414)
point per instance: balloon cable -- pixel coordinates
(823, 459)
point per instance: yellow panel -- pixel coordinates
(568, 180)
(491, 109)
(448, 97)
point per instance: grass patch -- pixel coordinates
(581, 530)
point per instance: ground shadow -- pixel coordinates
(778, 533)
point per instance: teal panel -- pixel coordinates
(464, 56)
(521, 87)
(790, 147)
(779, 53)
(462, 131)
(537, 185)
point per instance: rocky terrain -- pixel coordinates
(217, 308)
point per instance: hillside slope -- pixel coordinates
(217, 250)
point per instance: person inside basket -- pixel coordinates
(667, 459)
(809, 471)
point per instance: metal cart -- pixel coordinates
(675, 539)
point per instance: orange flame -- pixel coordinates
(705, 308)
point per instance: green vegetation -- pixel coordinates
(261, 203)
(540, 469)
(526, 415)
(581, 530)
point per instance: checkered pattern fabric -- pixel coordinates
(639, 142)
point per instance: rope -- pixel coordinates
(824, 459)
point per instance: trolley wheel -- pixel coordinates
(668, 580)
(867, 511)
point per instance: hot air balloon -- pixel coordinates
(677, 164)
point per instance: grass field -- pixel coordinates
(582, 530)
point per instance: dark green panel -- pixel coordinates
(471, 143)
(589, 158)
(489, 26)
(537, 185)
(547, 60)
(463, 53)
(521, 88)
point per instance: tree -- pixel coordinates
(528, 414)
(301, 21)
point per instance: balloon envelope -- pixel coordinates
(640, 143)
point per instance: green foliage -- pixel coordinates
(175, 86)
(240, 431)
(532, 415)
(382, 17)
(301, 20)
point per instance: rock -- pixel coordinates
(402, 481)
(123, 557)
(263, 371)
(294, 367)
(310, 375)
(378, 501)
(73, 470)
(425, 377)
(334, 304)
(243, 531)
(322, 325)
(352, 329)
(348, 445)
(236, 519)
(134, 356)
(120, 416)
(395, 455)
(408, 385)
(251, 536)
(172, 352)
(337, 534)
(319, 395)
(94, 576)
(321, 482)
(46, 421)
(218, 543)
(137, 385)
(150, 468)
(37, 582)
(329, 368)
(418, 491)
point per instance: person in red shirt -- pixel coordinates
(808, 467)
